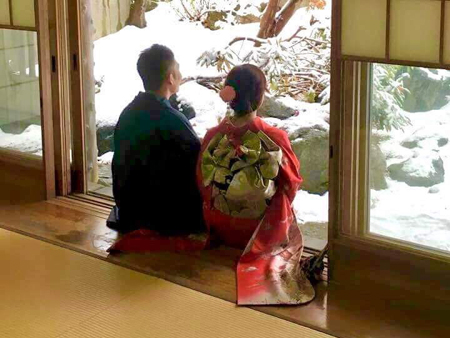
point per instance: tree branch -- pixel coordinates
(202, 79)
(301, 28)
(255, 40)
(284, 16)
(186, 10)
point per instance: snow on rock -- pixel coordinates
(423, 169)
(29, 141)
(276, 107)
(435, 75)
(427, 137)
(309, 115)
(209, 107)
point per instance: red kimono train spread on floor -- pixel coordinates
(268, 272)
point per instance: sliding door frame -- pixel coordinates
(43, 169)
(359, 258)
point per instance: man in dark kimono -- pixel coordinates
(155, 156)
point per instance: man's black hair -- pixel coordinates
(153, 66)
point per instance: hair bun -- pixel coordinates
(227, 94)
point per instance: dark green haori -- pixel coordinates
(154, 163)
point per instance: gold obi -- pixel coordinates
(242, 178)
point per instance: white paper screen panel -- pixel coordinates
(23, 13)
(415, 30)
(4, 12)
(364, 28)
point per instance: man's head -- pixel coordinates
(159, 70)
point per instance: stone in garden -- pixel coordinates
(424, 169)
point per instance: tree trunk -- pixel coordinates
(284, 16)
(137, 14)
(89, 94)
(267, 20)
(272, 23)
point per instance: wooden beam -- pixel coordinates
(388, 29)
(18, 158)
(41, 12)
(61, 95)
(11, 22)
(19, 28)
(87, 67)
(84, 163)
(335, 130)
(442, 35)
(78, 131)
(396, 62)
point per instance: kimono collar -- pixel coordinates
(158, 97)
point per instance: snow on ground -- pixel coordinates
(412, 214)
(311, 208)
(106, 158)
(29, 141)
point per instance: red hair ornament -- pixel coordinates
(227, 94)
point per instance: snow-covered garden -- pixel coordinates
(198, 50)
(410, 152)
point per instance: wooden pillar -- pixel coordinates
(87, 48)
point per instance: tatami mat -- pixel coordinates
(47, 291)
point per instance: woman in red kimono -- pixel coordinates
(248, 176)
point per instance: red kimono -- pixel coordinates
(248, 177)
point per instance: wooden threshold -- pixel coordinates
(336, 310)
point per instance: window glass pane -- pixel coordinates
(23, 13)
(410, 155)
(4, 12)
(20, 119)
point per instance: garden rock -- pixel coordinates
(427, 138)
(275, 107)
(378, 168)
(105, 138)
(312, 150)
(423, 169)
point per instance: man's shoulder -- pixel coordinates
(171, 117)
(141, 107)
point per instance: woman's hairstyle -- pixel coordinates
(153, 66)
(249, 84)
